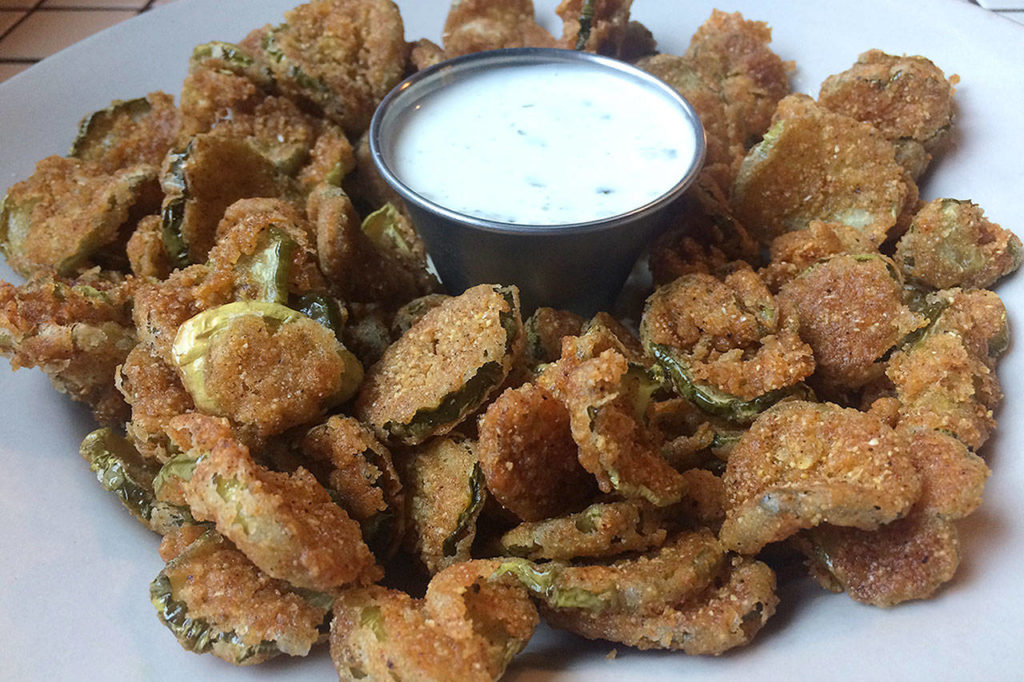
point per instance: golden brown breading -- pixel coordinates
(594, 25)
(792, 253)
(129, 133)
(77, 331)
(286, 524)
(155, 394)
(145, 250)
(802, 464)
(950, 243)
(477, 25)
(814, 164)
(908, 99)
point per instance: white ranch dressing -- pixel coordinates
(543, 144)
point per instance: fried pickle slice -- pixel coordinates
(286, 524)
(444, 367)
(215, 600)
(802, 464)
(145, 250)
(445, 493)
(603, 529)
(128, 133)
(852, 314)
(910, 558)
(814, 164)
(950, 243)
(907, 98)
(358, 470)
(69, 210)
(341, 56)
(727, 614)
(478, 25)
(468, 627)
(726, 344)
(599, 26)
(77, 331)
(155, 394)
(793, 253)
(528, 456)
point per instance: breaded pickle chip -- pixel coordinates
(215, 600)
(725, 344)
(907, 559)
(603, 529)
(802, 464)
(950, 243)
(145, 250)
(727, 614)
(594, 25)
(123, 471)
(640, 585)
(361, 476)
(908, 99)
(155, 394)
(545, 329)
(817, 165)
(444, 367)
(238, 360)
(792, 253)
(128, 132)
(68, 210)
(467, 627)
(286, 524)
(852, 314)
(478, 25)
(528, 455)
(342, 56)
(201, 181)
(607, 399)
(445, 493)
(952, 477)
(77, 331)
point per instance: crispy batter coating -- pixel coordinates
(904, 560)
(952, 477)
(977, 316)
(727, 614)
(68, 210)
(478, 25)
(77, 331)
(145, 250)
(605, 399)
(802, 464)
(220, 589)
(342, 56)
(729, 333)
(594, 25)
(155, 394)
(851, 313)
(424, 53)
(467, 627)
(362, 477)
(908, 99)
(445, 494)
(950, 243)
(545, 329)
(285, 523)
(444, 367)
(814, 164)
(603, 529)
(792, 253)
(528, 455)
(128, 133)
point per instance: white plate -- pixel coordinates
(75, 568)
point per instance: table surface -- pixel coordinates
(31, 30)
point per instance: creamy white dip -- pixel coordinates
(543, 144)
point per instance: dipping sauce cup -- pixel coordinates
(545, 168)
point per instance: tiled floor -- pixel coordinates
(33, 29)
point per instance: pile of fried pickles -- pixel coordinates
(333, 448)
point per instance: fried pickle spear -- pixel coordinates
(478, 25)
(469, 626)
(286, 524)
(950, 243)
(814, 164)
(802, 464)
(444, 367)
(908, 99)
(77, 331)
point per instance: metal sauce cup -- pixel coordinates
(578, 266)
